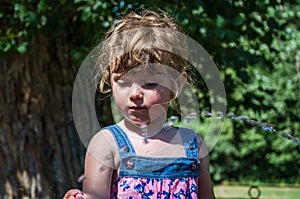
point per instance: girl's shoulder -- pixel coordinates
(103, 136)
(189, 134)
(103, 147)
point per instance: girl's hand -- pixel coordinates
(75, 194)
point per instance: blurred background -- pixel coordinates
(255, 45)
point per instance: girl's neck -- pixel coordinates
(151, 129)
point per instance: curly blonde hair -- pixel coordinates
(138, 39)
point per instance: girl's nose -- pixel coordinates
(137, 93)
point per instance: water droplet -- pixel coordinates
(231, 115)
(286, 135)
(296, 141)
(102, 168)
(220, 115)
(144, 132)
(253, 122)
(188, 121)
(108, 158)
(81, 178)
(207, 114)
(190, 117)
(264, 126)
(143, 126)
(267, 128)
(242, 117)
(174, 118)
(124, 148)
(168, 125)
(146, 140)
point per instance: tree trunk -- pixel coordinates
(41, 153)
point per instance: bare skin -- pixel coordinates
(141, 99)
(99, 176)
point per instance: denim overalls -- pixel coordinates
(151, 177)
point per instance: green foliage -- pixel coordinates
(83, 22)
(255, 44)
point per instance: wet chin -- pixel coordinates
(141, 117)
(137, 122)
(138, 119)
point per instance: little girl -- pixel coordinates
(139, 157)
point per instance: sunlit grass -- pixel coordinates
(266, 192)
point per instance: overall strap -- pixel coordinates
(121, 138)
(190, 142)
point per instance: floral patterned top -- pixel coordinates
(151, 177)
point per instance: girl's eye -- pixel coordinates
(122, 82)
(150, 84)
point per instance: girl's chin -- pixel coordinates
(137, 121)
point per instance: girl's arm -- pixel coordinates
(100, 163)
(99, 166)
(205, 188)
(98, 178)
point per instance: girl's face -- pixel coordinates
(141, 96)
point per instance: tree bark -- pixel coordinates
(40, 151)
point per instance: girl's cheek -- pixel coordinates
(164, 94)
(159, 96)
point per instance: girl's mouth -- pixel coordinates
(137, 108)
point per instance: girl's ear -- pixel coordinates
(181, 80)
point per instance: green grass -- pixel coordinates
(267, 192)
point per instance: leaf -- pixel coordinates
(220, 21)
(22, 48)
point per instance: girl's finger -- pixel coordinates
(79, 196)
(75, 192)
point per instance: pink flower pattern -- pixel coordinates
(145, 188)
